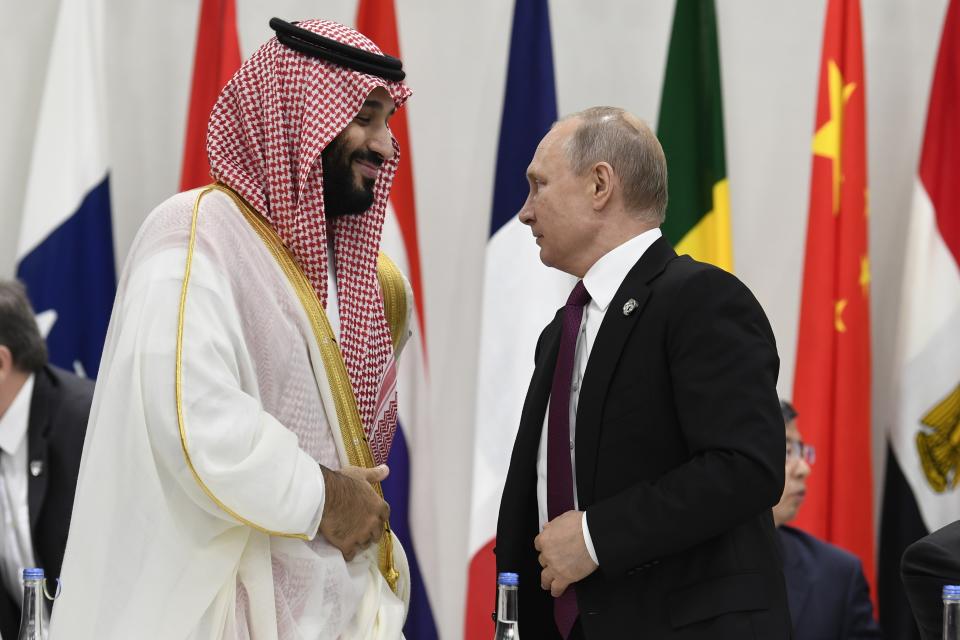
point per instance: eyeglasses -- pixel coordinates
(797, 449)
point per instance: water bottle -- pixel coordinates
(507, 628)
(951, 612)
(31, 618)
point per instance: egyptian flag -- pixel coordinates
(216, 59)
(520, 296)
(691, 132)
(65, 248)
(409, 459)
(922, 487)
(832, 382)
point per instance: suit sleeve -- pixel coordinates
(859, 623)
(927, 565)
(723, 369)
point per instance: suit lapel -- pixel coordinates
(618, 323)
(517, 524)
(535, 408)
(42, 406)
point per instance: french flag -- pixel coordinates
(65, 248)
(520, 296)
(409, 459)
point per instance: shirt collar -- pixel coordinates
(607, 274)
(13, 423)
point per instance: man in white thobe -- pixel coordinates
(229, 485)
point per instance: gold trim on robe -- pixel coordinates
(394, 298)
(354, 438)
(179, 383)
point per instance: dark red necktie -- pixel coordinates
(559, 470)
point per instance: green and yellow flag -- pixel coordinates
(691, 132)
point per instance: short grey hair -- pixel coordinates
(617, 137)
(18, 328)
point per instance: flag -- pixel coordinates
(65, 247)
(410, 455)
(922, 489)
(520, 296)
(216, 59)
(691, 132)
(832, 381)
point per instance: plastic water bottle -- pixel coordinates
(951, 612)
(31, 618)
(507, 625)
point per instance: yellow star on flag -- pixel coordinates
(865, 274)
(828, 138)
(838, 316)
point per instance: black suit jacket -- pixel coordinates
(679, 450)
(59, 410)
(927, 565)
(828, 595)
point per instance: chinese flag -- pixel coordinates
(832, 382)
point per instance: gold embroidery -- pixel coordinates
(348, 416)
(179, 382)
(394, 297)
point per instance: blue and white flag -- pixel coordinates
(65, 249)
(520, 296)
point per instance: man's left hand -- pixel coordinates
(563, 553)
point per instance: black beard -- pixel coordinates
(341, 196)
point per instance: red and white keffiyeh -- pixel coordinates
(266, 132)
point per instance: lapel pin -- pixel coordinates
(36, 467)
(630, 306)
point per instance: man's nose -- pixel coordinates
(382, 143)
(525, 215)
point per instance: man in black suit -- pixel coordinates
(828, 594)
(927, 566)
(43, 418)
(655, 522)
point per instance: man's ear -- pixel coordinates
(6, 362)
(604, 182)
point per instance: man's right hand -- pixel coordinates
(353, 514)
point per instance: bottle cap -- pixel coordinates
(33, 573)
(951, 592)
(508, 579)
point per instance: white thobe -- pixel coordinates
(210, 531)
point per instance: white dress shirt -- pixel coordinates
(602, 282)
(16, 551)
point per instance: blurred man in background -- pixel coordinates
(43, 418)
(828, 594)
(928, 565)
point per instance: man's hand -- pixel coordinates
(353, 513)
(563, 553)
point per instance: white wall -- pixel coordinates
(455, 52)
